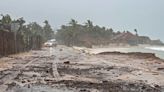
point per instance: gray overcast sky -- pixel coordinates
(145, 15)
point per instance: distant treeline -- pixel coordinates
(89, 35)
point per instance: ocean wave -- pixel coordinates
(156, 48)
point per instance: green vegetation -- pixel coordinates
(18, 26)
(74, 34)
(89, 35)
(6, 19)
(77, 34)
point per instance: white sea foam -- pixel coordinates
(156, 48)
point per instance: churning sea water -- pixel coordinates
(158, 51)
(156, 48)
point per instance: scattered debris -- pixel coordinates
(107, 72)
(67, 62)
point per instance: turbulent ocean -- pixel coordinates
(158, 51)
(155, 48)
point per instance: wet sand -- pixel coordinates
(66, 69)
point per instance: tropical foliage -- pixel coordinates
(28, 30)
(88, 34)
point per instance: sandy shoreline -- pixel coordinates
(66, 69)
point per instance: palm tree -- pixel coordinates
(46, 22)
(47, 31)
(89, 24)
(73, 22)
(135, 30)
(73, 31)
(21, 21)
(6, 19)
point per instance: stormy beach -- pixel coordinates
(77, 69)
(81, 46)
